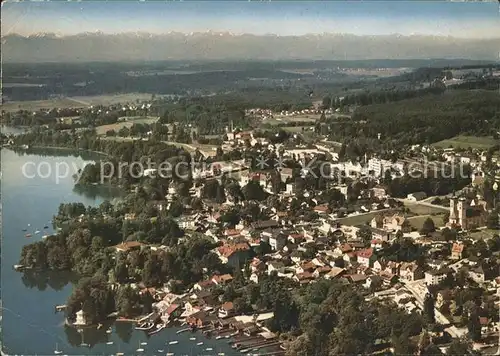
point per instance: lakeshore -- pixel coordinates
(29, 299)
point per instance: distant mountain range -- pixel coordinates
(84, 47)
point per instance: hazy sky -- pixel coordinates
(459, 19)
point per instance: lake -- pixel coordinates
(30, 325)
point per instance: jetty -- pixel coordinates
(59, 308)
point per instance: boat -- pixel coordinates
(200, 343)
(218, 337)
(57, 351)
(29, 224)
(145, 326)
(161, 351)
(221, 354)
(144, 343)
(18, 267)
(37, 231)
(110, 343)
(46, 227)
(28, 235)
(119, 354)
(45, 236)
(24, 230)
(208, 349)
(192, 338)
(109, 331)
(83, 344)
(159, 328)
(140, 349)
(227, 336)
(170, 354)
(173, 342)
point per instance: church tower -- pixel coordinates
(453, 210)
(461, 210)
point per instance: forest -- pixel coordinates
(425, 119)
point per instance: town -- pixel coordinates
(415, 229)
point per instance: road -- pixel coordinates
(424, 203)
(418, 289)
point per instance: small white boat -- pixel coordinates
(221, 354)
(161, 351)
(109, 331)
(192, 338)
(140, 349)
(110, 343)
(159, 328)
(84, 344)
(37, 231)
(173, 342)
(208, 349)
(144, 343)
(57, 351)
(218, 337)
(200, 343)
(145, 326)
(119, 354)
(170, 354)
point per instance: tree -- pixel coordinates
(449, 234)
(428, 227)
(428, 309)
(458, 347)
(365, 233)
(474, 326)
(492, 221)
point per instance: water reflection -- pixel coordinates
(93, 191)
(124, 331)
(86, 337)
(56, 280)
(59, 152)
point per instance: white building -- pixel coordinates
(433, 277)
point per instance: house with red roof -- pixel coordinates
(174, 311)
(234, 254)
(226, 310)
(366, 257)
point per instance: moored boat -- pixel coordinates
(145, 326)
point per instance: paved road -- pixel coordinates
(418, 290)
(424, 203)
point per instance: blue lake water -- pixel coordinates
(30, 325)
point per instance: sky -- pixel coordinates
(458, 19)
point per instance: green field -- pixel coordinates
(418, 221)
(364, 218)
(467, 141)
(483, 234)
(419, 209)
(101, 130)
(75, 102)
(279, 120)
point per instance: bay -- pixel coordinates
(30, 325)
